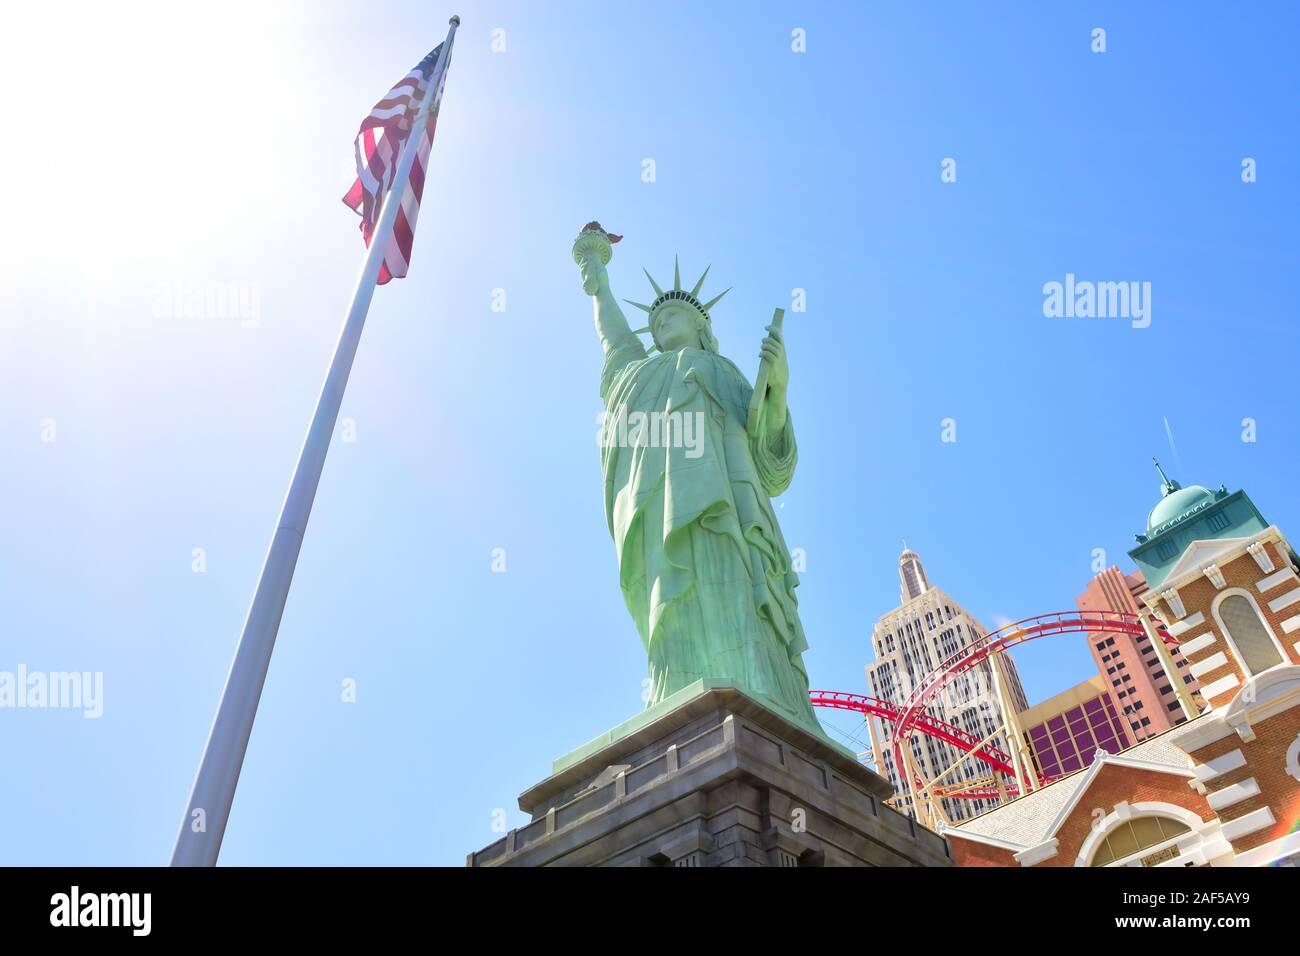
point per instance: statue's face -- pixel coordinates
(675, 328)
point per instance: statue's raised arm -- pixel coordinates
(592, 251)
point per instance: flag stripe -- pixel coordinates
(378, 147)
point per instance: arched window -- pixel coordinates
(1249, 634)
(1131, 837)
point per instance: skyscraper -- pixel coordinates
(927, 628)
(1130, 665)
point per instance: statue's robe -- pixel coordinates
(704, 569)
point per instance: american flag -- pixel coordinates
(379, 145)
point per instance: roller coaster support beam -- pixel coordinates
(1026, 781)
(966, 756)
(877, 751)
(1171, 669)
(921, 808)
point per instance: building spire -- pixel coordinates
(911, 575)
(1167, 485)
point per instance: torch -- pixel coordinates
(593, 245)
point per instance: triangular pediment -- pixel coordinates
(1201, 553)
(1034, 819)
(1101, 761)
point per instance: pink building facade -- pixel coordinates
(1129, 665)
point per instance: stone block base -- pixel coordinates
(717, 780)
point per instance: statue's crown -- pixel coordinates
(678, 294)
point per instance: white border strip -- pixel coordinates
(1233, 794)
(1224, 763)
(1273, 580)
(1286, 600)
(1197, 644)
(1213, 662)
(1250, 823)
(1220, 686)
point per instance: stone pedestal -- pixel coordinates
(712, 778)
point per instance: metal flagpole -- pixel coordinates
(204, 824)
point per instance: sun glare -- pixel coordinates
(165, 109)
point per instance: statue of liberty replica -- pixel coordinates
(703, 567)
(728, 752)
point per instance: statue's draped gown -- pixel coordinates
(704, 569)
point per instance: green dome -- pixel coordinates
(1177, 503)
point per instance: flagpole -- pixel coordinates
(199, 841)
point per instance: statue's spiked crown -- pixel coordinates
(678, 294)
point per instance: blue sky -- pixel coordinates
(210, 152)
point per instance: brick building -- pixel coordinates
(1224, 787)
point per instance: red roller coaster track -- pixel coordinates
(931, 726)
(911, 716)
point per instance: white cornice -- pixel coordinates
(1207, 729)
(1263, 696)
(1037, 854)
(998, 842)
(1211, 551)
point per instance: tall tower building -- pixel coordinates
(926, 629)
(1131, 666)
